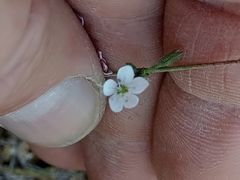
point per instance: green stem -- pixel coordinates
(195, 66)
(183, 68)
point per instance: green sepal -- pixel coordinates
(168, 59)
(139, 72)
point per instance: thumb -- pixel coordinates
(49, 74)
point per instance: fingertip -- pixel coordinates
(70, 157)
(206, 42)
(193, 138)
(60, 117)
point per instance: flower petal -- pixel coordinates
(125, 74)
(138, 85)
(109, 87)
(116, 103)
(130, 100)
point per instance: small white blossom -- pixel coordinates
(123, 92)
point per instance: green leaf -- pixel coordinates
(168, 59)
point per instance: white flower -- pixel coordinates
(123, 92)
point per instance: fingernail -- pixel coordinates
(62, 116)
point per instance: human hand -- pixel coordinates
(186, 124)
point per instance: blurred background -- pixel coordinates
(18, 162)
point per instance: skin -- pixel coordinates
(186, 125)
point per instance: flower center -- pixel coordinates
(122, 89)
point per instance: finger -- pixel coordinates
(126, 31)
(195, 139)
(121, 29)
(49, 74)
(196, 132)
(70, 157)
(215, 38)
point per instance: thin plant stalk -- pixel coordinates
(195, 66)
(184, 67)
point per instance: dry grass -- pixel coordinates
(18, 162)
